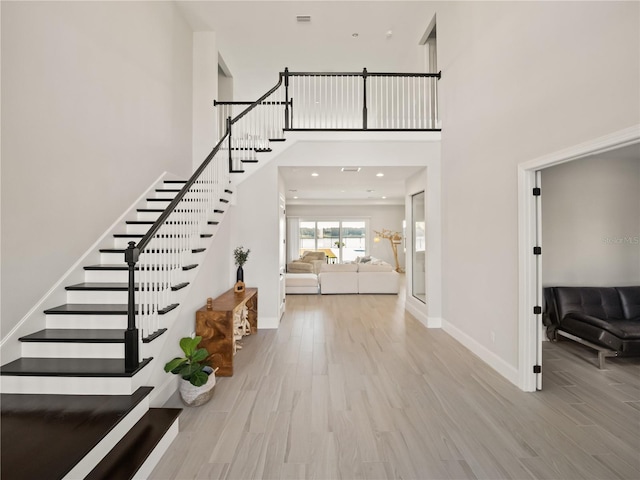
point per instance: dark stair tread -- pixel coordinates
(97, 309)
(254, 160)
(213, 222)
(70, 367)
(277, 139)
(159, 199)
(45, 436)
(224, 200)
(140, 235)
(76, 336)
(152, 210)
(114, 286)
(122, 250)
(226, 190)
(168, 190)
(236, 171)
(123, 266)
(174, 181)
(130, 453)
(217, 210)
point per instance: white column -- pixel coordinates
(205, 90)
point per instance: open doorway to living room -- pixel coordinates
(579, 228)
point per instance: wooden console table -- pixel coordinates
(214, 323)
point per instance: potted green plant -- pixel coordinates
(197, 379)
(240, 256)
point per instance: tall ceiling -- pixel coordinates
(258, 39)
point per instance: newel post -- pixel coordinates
(230, 144)
(364, 100)
(131, 340)
(286, 98)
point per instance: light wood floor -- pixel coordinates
(352, 387)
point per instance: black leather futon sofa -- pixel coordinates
(604, 318)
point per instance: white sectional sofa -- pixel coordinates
(350, 278)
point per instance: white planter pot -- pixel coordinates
(195, 396)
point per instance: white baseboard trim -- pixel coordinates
(490, 358)
(422, 317)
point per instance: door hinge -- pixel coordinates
(537, 191)
(537, 250)
(537, 310)
(537, 369)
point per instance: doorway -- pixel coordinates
(530, 329)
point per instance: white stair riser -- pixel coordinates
(161, 203)
(70, 385)
(143, 229)
(116, 322)
(169, 195)
(94, 296)
(97, 453)
(123, 242)
(153, 216)
(177, 276)
(108, 276)
(73, 350)
(154, 457)
(118, 258)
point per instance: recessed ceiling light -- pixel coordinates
(379, 174)
(295, 198)
(315, 174)
(384, 198)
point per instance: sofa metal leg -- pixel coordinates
(602, 352)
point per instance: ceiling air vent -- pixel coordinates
(351, 169)
(303, 18)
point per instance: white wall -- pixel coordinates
(96, 103)
(389, 217)
(519, 80)
(257, 229)
(591, 222)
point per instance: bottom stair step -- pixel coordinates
(45, 436)
(145, 442)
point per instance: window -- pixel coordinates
(341, 240)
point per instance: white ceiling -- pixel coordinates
(258, 39)
(333, 186)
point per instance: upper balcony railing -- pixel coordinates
(347, 101)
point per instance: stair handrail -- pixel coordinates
(132, 253)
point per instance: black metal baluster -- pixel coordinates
(364, 103)
(230, 145)
(286, 97)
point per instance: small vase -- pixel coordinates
(240, 275)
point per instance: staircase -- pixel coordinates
(69, 403)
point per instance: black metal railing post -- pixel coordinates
(131, 340)
(364, 99)
(230, 144)
(286, 97)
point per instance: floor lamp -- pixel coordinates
(395, 239)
